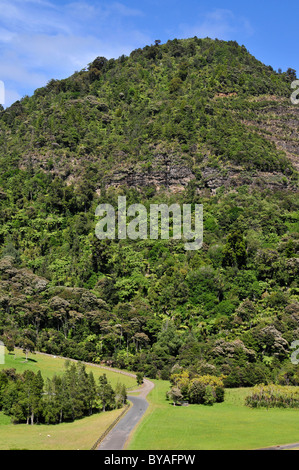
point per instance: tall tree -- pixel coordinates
(106, 394)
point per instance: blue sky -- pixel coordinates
(44, 39)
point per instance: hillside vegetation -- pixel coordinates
(189, 121)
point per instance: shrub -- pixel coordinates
(199, 389)
(273, 396)
(210, 395)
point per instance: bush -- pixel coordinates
(210, 395)
(204, 389)
(273, 396)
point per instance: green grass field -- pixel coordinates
(223, 426)
(50, 365)
(81, 434)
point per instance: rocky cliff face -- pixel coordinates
(164, 173)
(175, 178)
(278, 123)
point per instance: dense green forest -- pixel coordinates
(195, 121)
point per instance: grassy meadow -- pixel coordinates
(79, 435)
(224, 426)
(50, 365)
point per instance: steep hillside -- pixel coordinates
(167, 115)
(189, 121)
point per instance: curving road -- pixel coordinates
(119, 435)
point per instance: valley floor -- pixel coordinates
(223, 426)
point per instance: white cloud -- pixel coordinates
(14, 71)
(220, 24)
(104, 11)
(10, 97)
(41, 39)
(123, 10)
(5, 35)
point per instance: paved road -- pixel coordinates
(283, 447)
(118, 436)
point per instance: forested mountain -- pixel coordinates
(190, 121)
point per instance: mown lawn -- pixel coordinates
(79, 435)
(223, 426)
(50, 365)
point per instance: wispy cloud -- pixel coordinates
(41, 39)
(44, 39)
(219, 23)
(5, 35)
